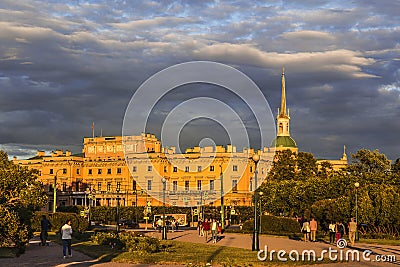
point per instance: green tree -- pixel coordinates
(20, 194)
(396, 165)
(325, 169)
(306, 166)
(284, 166)
(367, 161)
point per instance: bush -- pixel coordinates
(128, 241)
(274, 225)
(58, 219)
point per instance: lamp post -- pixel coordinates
(260, 193)
(55, 192)
(164, 229)
(255, 241)
(357, 185)
(222, 199)
(118, 209)
(136, 213)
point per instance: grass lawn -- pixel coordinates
(176, 252)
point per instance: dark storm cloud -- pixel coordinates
(65, 65)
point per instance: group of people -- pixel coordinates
(336, 231)
(174, 224)
(66, 235)
(210, 225)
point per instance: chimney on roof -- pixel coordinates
(67, 153)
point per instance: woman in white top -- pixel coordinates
(66, 236)
(214, 230)
(306, 230)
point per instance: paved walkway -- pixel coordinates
(51, 255)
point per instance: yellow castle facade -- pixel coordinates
(138, 170)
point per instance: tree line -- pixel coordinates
(297, 187)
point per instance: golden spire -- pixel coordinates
(283, 99)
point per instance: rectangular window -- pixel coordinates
(149, 185)
(175, 169)
(90, 171)
(99, 186)
(199, 168)
(212, 185)
(234, 168)
(119, 171)
(64, 171)
(186, 168)
(118, 186)
(175, 185)
(99, 171)
(134, 169)
(165, 168)
(64, 186)
(78, 171)
(234, 186)
(251, 168)
(199, 185)
(134, 185)
(187, 185)
(51, 171)
(211, 168)
(149, 168)
(109, 186)
(108, 171)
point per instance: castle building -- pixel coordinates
(139, 171)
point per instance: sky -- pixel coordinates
(66, 64)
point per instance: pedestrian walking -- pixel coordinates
(66, 236)
(332, 233)
(214, 230)
(305, 229)
(340, 230)
(200, 227)
(173, 225)
(352, 231)
(45, 226)
(206, 228)
(313, 229)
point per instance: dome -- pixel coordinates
(283, 141)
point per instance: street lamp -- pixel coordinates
(255, 243)
(55, 192)
(222, 199)
(357, 185)
(118, 188)
(260, 193)
(164, 230)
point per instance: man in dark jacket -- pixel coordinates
(45, 226)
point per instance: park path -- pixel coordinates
(51, 255)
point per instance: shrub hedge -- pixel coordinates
(274, 225)
(128, 241)
(58, 219)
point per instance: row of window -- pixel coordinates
(187, 168)
(110, 188)
(187, 185)
(100, 171)
(149, 168)
(90, 171)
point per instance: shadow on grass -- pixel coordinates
(215, 254)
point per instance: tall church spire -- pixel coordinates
(283, 118)
(283, 139)
(282, 110)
